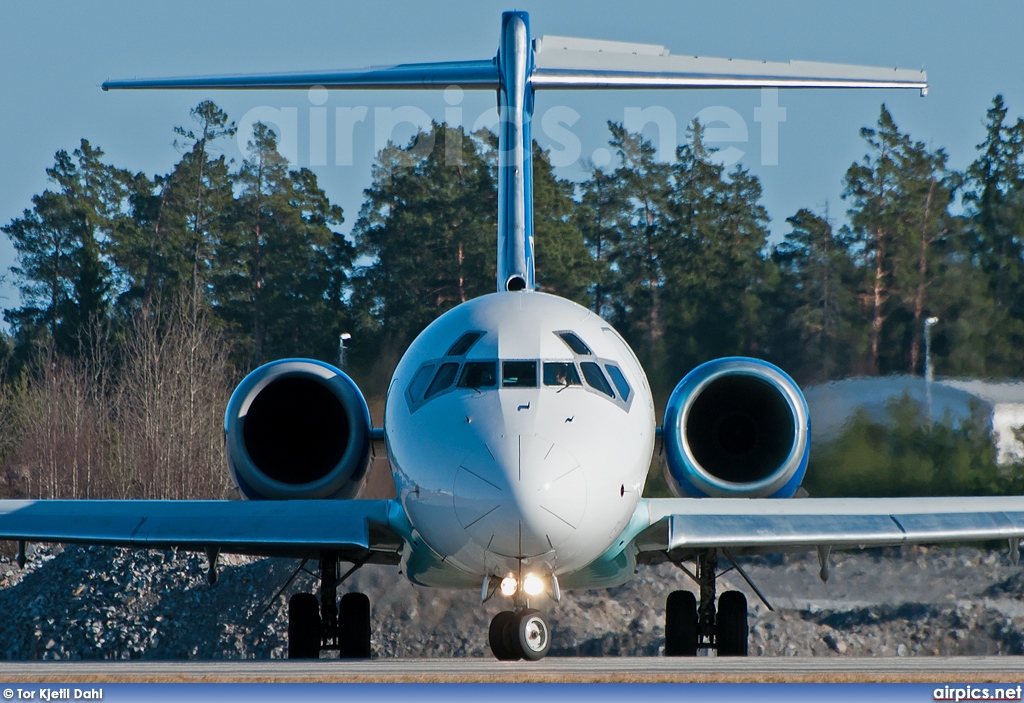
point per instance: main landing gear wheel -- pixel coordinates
(324, 623)
(692, 624)
(303, 627)
(681, 624)
(732, 625)
(354, 626)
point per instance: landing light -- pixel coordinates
(533, 585)
(509, 586)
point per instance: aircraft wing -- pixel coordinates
(566, 62)
(777, 524)
(356, 529)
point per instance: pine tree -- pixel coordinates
(46, 239)
(134, 249)
(643, 241)
(900, 226)
(564, 266)
(596, 217)
(65, 275)
(201, 189)
(240, 276)
(821, 275)
(926, 188)
(306, 270)
(994, 179)
(717, 276)
(427, 225)
(177, 220)
(281, 271)
(994, 234)
(871, 188)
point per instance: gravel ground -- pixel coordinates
(102, 603)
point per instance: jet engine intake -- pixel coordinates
(736, 428)
(297, 429)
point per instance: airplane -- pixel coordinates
(519, 426)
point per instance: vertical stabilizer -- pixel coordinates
(515, 154)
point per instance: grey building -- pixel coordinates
(833, 404)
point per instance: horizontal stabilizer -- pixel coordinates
(563, 62)
(566, 62)
(467, 74)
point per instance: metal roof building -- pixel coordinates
(833, 404)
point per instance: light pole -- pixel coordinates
(342, 338)
(928, 348)
(928, 371)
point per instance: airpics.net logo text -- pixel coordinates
(724, 129)
(978, 693)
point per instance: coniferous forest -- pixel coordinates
(145, 298)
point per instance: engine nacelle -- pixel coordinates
(297, 429)
(736, 428)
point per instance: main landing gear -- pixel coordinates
(343, 626)
(690, 626)
(520, 634)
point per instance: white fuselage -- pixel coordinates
(498, 470)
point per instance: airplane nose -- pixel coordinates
(521, 499)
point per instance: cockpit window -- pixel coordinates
(464, 343)
(595, 378)
(575, 343)
(420, 381)
(479, 374)
(519, 374)
(444, 378)
(560, 373)
(619, 380)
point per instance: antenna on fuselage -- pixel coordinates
(523, 66)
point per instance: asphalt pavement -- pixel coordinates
(1003, 670)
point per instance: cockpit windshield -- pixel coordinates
(560, 373)
(440, 377)
(519, 374)
(596, 379)
(443, 380)
(479, 375)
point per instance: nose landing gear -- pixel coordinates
(522, 634)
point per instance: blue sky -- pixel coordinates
(53, 56)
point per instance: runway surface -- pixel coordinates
(1004, 670)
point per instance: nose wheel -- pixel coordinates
(519, 635)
